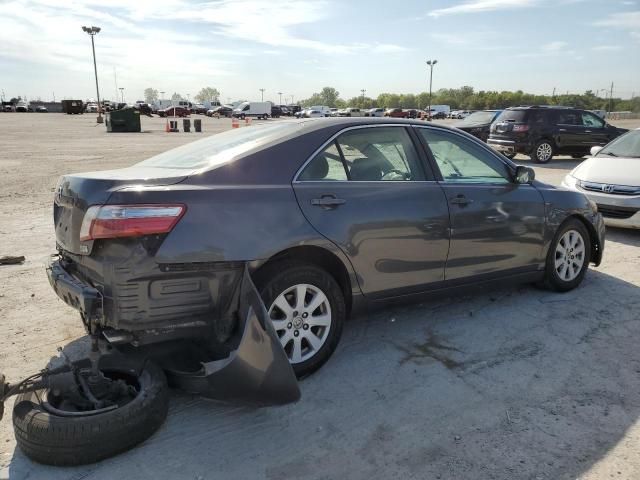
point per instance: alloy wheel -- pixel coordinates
(301, 317)
(544, 152)
(569, 257)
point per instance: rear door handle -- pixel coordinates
(328, 202)
(460, 200)
(562, 129)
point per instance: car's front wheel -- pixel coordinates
(307, 308)
(568, 257)
(542, 152)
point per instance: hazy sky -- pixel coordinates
(297, 47)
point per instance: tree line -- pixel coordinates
(467, 98)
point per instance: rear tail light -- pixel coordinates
(115, 221)
(521, 128)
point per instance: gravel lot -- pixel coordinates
(511, 384)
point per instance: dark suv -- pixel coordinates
(542, 132)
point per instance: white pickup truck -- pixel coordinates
(253, 109)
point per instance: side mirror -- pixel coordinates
(595, 149)
(524, 174)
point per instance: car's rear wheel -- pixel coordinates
(307, 309)
(543, 151)
(568, 257)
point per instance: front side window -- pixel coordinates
(590, 120)
(462, 161)
(380, 154)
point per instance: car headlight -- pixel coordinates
(569, 181)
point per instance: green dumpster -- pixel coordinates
(125, 120)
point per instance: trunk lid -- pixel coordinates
(76, 193)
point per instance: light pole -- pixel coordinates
(280, 93)
(262, 94)
(362, 91)
(161, 97)
(121, 94)
(431, 63)
(92, 31)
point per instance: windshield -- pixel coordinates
(627, 145)
(480, 117)
(219, 149)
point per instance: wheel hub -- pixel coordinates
(301, 316)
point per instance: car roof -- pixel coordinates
(310, 125)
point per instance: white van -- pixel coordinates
(253, 109)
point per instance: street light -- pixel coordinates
(363, 91)
(121, 94)
(92, 31)
(280, 93)
(431, 64)
(262, 94)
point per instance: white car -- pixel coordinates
(92, 107)
(611, 179)
(351, 112)
(376, 112)
(314, 114)
(333, 112)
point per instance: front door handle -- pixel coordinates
(328, 202)
(460, 200)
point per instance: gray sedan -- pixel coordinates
(328, 215)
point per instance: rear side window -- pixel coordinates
(569, 117)
(366, 155)
(327, 165)
(519, 116)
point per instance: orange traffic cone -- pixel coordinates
(166, 126)
(235, 123)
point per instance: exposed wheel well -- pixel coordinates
(317, 256)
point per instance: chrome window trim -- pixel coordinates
(333, 137)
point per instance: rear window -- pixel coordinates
(513, 116)
(219, 149)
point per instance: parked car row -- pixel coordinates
(324, 111)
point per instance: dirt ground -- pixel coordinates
(517, 383)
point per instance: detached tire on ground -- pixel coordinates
(307, 309)
(76, 440)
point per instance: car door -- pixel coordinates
(570, 131)
(594, 132)
(496, 224)
(367, 191)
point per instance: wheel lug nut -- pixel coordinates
(296, 333)
(289, 325)
(295, 313)
(305, 315)
(305, 326)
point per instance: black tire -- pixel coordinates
(281, 276)
(552, 279)
(64, 441)
(539, 153)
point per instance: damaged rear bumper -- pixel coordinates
(255, 369)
